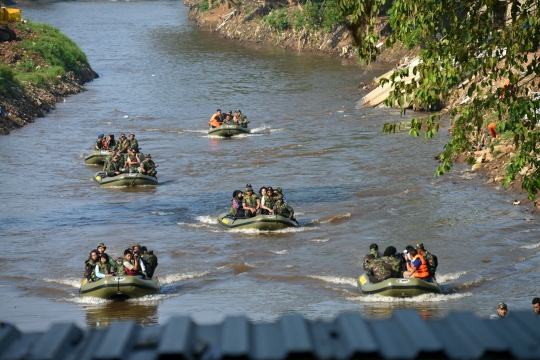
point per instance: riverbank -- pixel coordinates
(33, 80)
(246, 23)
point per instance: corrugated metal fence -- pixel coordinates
(349, 336)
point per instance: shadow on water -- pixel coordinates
(102, 315)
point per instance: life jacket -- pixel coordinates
(104, 268)
(120, 269)
(422, 271)
(105, 145)
(251, 201)
(90, 269)
(129, 272)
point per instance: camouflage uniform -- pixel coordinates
(120, 270)
(242, 120)
(251, 200)
(105, 268)
(151, 263)
(283, 209)
(269, 202)
(149, 167)
(112, 166)
(98, 144)
(431, 262)
(131, 158)
(90, 269)
(134, 144)
(378, 270)
(394, 264)
(372, 252)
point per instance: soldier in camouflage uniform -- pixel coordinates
(132, 161)
(241, 119)
(98, 145)
(148, 167)
(90, 266)
(373, 250)
(393, 261)
(123, 144)
(101, 249)
(377, 270)
(133, 143)
(111, 142)
(113, 167)
(251, 202)
(431, 260)
(283, 209)
(151, 261)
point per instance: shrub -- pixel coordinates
(204, 5)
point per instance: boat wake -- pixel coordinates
(76, 283)
(206, 219)
(88, 300)
(282, 231)
(530, 247)
(416, 299)
(191, 225)
(279, 252)
(151, 298)
(336, 219)
(441, 279)
(172, 278)
(319, 240)
(335, 280)
(162, 213)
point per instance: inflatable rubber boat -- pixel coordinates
(397, 287)
(96, 157)
(119, 287)
(124, 179)
(229, 130)
(259, 222)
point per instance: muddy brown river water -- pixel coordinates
(350, 185)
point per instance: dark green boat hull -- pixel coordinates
(229, 130)
(96, 157)
(259, 222)
(125, 179)
(397, 287)
(120, 287)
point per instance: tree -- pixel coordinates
(471, 47)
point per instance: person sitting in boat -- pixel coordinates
(417, 266)
(279, 191)
(373, 250)
(215, 120)
(114, 166)
(237, 209)
(101, 249)
(132, 264)
(148, 167)
(98, 145)
(376, 269)
(151, 261)
(228, 120)
(251, 203)
(241, 119)
(103, 268)
(111, 143)
(431, 260)
(132, 161)
(123, 144)
(267, 204)
(283, 209)
(393, 260)
(90, 266)
(133, 143)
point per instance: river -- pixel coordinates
(350, 185)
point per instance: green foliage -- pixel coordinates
(8, 83)
(55, 47)
(315, 15)
(204, 5)
(278, 19)
(467, 44)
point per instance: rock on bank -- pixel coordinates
(26, 100)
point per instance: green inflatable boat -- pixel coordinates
(259, 222)
(125, 179)
(229, 130)
(397, 287)
(96, 157)
(119, 287)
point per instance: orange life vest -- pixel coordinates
(422, 271)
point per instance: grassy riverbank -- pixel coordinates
(37, 70)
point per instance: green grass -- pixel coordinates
(49, 54)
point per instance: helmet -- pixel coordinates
(148, 156)
(101, 245)
(280, 197)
